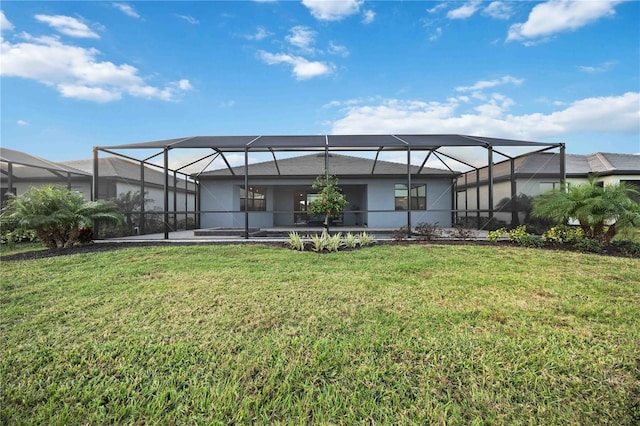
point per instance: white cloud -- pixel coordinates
(604, 67)
(77, 73)
(465, 11)
(498, 10)
(437, 33)
(22, 123)
(332, 10)
(557, 16)
(437, 8)
(189, 19)
(68, 26)
(487, 84)
(126, 9)
(260, 34)
(5, 24)
(336, 49)
(303, 69)
(617, 114)
(368, 16)
(302, 37)
(184, 85)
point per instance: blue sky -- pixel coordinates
(79, 74)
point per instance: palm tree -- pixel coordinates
(129, 203)
(521, 203)
(601, 210)
(57, 215)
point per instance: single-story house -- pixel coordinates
(534, 174)
(117, 177)
(271, 194)
(20, 171)
(280, 193)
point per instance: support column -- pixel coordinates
(175, 200)
(515, 220)
(166, 194)
(466, 201)
(94, 195)
(9, 178)
(186, 203)
(563, 166)
(246, 193)
(142, 221)
(490, 179)
(478, 215)
(454, 201)
(409, 191)
(197, 204)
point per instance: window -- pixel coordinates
(418, 197)
(256, 201)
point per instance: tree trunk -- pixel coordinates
(608, 236)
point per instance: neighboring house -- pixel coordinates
(280, 192)
(535, 174)
(117, 176)
(21, 171)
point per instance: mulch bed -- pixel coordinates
(103, 247)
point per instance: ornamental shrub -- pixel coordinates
(517, 235)
(521, 237)
(295, 241)
(495, 236)
(562, 234)
(588, 245)
(428, 231)
(350, 240)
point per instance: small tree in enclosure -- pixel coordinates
(57, 215)
(331, 201)
(601, 210)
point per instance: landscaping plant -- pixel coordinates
(562, 234)
(334, 242)
(295, 241)
(428, 231)
(350, 240)
(601, 210)
(518, 235)
(365, 239)
(318, 241)
(57, 215)
(331, 201)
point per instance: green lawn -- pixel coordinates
(385, 335)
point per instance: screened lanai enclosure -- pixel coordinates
(247, 185)
(19, 171)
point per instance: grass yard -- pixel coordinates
(385, 335)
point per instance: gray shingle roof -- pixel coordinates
(30, 166)
(313, 165)
(125, 170)
(598, 163)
